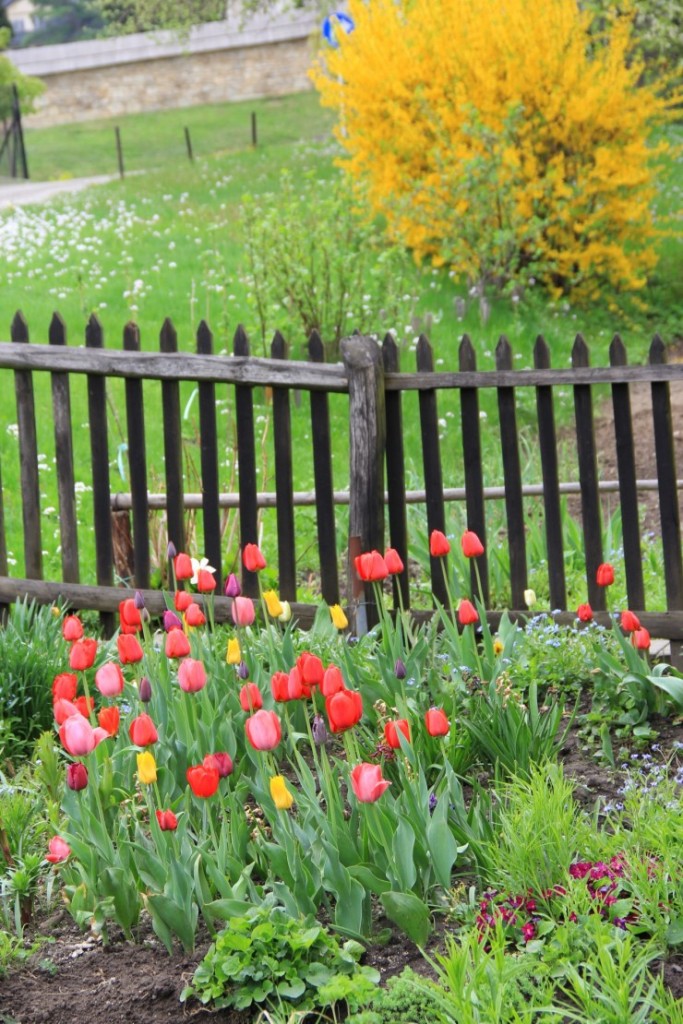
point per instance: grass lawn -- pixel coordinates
(167, 242)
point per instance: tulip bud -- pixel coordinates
(77, 776)
(319, 730)
(286, 612)
(243, 670)
(233, 655)
(399, 669)
(139, 600)
(171, 550)
(171, 621)
(232, 586)
(530, 598)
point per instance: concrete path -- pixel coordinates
(20, 193)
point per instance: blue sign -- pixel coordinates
(334, 23)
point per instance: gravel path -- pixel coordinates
(21, 193)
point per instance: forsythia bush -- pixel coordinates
(498, 138)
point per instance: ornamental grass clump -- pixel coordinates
(508, 143)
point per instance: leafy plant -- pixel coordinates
(400, 1001)
(268, 959)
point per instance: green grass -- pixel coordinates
(157, 139)
(167, 242)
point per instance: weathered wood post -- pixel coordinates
(363, 363)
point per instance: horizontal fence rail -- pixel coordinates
(373, 386)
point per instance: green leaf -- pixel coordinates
(291, 989)
(409, 913)
(368, 879)
(674, 933)
(402, 847)
(225, 910)
(317, 974)
(442, 845)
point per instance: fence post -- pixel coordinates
(364, 367)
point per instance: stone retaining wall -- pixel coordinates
(218, 62)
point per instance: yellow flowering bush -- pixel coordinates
(497, 137)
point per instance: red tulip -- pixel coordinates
(221, 762)
(641, 639)
(242, 611)
(77, 776)
(472, 547)
(167, 821)
(182, 600)
(605, 575)
(72, 628)
(84, 705)
(371, 567)
(344, 710)
(129, 647)
(203, 781)
(438, 544)
(109, 719)
(311, 670)
(250, 697)
(630, 621)
(333, 681)
(436, 722)
(584, 613)
(252, 558)
(279, 685)
(206, 581)
(143, 731)
(59, 851)
(82, 654)
(64, 686)
(263, 730)
(467, 613)
(367, 782)
(392, 729)
(177, 644)
(129, 616)
(109, 680)
(183, 567)
(394, 562)
(194, 616)
(192, 676)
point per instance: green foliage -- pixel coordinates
(314, 261)
(401, 1001)
(64, 21)
(268, 959)
(31, 655)
(657, 35)
(121, 17)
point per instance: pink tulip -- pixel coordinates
(192, 675)
(59, 851)
(242, 611)
(77, 736)
(263, 730)
(109, 680)
(367, 782)
(64, 709)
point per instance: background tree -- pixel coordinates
(63, 21)
(504, 144)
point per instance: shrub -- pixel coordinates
(502, 143)
(406, 999)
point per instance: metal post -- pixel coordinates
(19, 130)
(188, 143)
(254, 136)
(119, 151)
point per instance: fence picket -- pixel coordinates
(396, 472)
(628, 492)
(474, 478)
(512, 474)
(64, 459)
(551, 481)
(99, 453)
(322, 474)
(431, 465)
(246, 455)
(668, 494)
(137, 464)
(173, 443)
(208, 438)
(588, 476)
(28, 456)
(284, 479)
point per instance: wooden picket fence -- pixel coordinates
(369, 374)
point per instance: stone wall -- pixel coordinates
(216, 63)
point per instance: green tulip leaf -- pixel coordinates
(409, 913)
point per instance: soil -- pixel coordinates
(75, 978)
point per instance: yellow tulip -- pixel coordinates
(497, 646)
(272, 603)
(234, 652)
(147, 768)
(530, 598)
(282, 798)
(339, 620)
